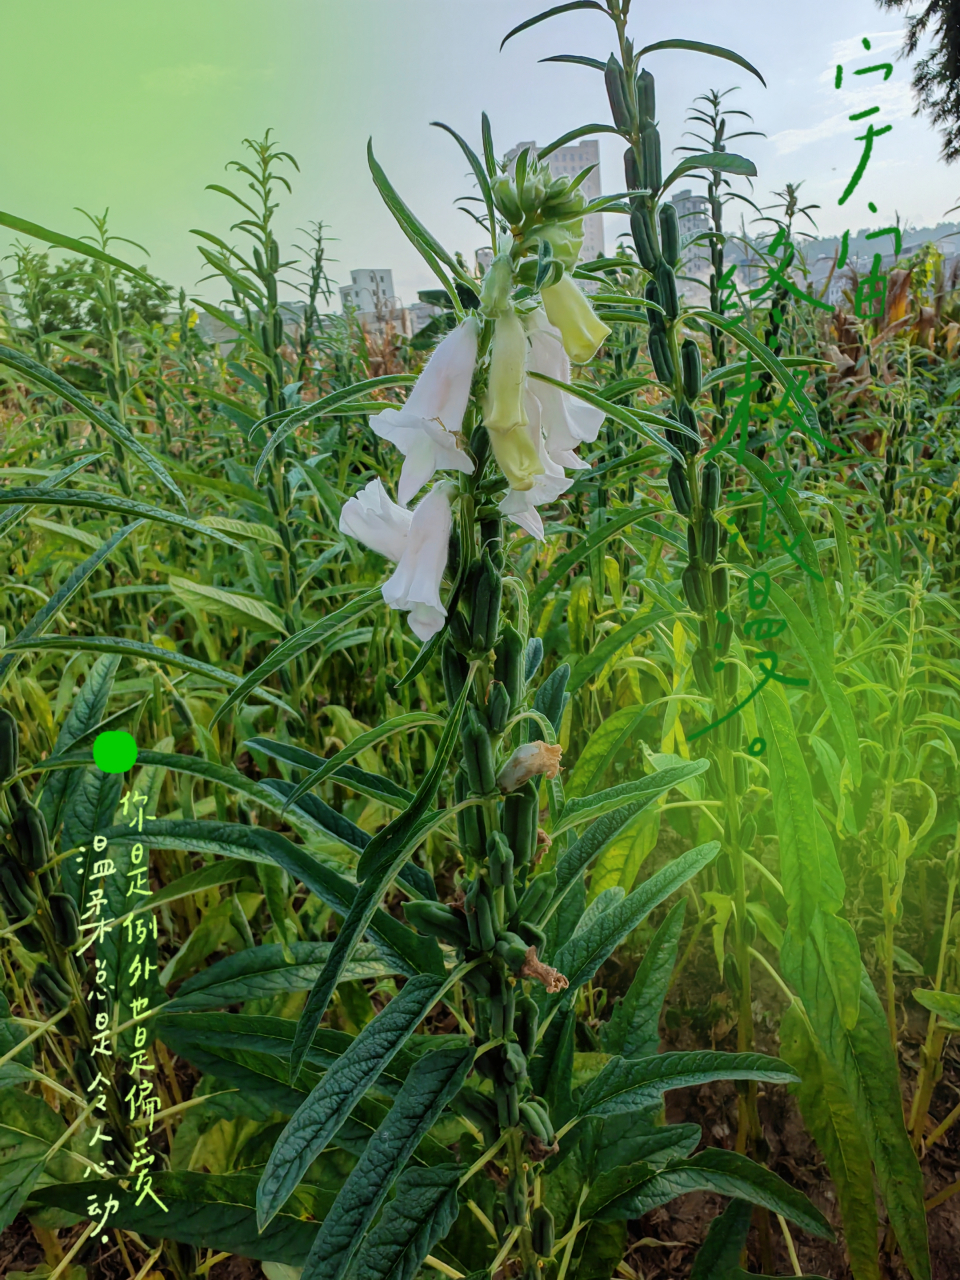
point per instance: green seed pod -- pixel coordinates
(478, 980)
(477, 755)
(52, 986)
(720, 586)
(485, 926)
(655, 319)
(485, 605)
(532, 934)
(543, 1231)
(437, 920)
(30, 829)
(640, 227)
(613, 78)
(911, 706)
(679, 488)
(85, 1069)
(527, 1017)
(731, 679)
(509, 663)
(499, 859)
(731, 973)
(631, 170)
(537, 897)
(892, 671)
(725, 873)
(710, 486)
(512, 948)
(692, 543)
(18, 893)
(66, 919)
(646, 96)
(650, 150)
(692, 368)
(724, 636)
(670, 232)
(533, 1122)
(709, 539)
(516, 1197)
(498, 707)
(690, 444)
(471, 829)
(453, 669)
(660, 356)
(491, 537)
(691, 580)
(702, 663)
(748, 831)
(515, 1064)
(9, 746)
(521, 809)
(667, 284)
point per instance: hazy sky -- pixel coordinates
(137, 107)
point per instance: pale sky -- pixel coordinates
(113, 104)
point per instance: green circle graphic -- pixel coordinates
(114, 751)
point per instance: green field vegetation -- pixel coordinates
(361, 1068)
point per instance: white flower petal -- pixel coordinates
(415, 583)
(373, 519)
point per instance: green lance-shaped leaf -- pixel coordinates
(294, 646)
(829, 1114)
(568, 7)
(830, 687)
(726, 1173)
(697, 46)
(718, 1258)
(322, 1114)
(942, 1003)
(572, 864)
(398, 724)
(400, 946)
(601, 748)
(422, 1212)
(52, 382)
(772, 363)
(639, 420)
(585, 808)
(261, 972)
(724, 161)
(82, 247)
(112, 505)
(807, 884)
(61, 597)
(813, 582)
(633, 1029)
(426, 244)
(582, 955)
(238, 610)
(626, 1084)
(863, 1059)
(58, 478)
(476, 164)
(205, 1210)
(435, 1078)
(609, 529)
(86, 712)
(612, 645)
(374, 785)
(290, 419)
(140, 649)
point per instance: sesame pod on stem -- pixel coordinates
(692, 366)
(477, 754)
(485, 605)
(724, 637)
(655, 319)
(679, 488)
(526, 1020)
(437, 920)
(669, 232)
(499, 859)
(650, 150)
(533, 1122)
(702, 663)
(644, 242)
(66, 919)
(709, 539)
(537, 897)
(498, 707)
(30, 829)
(646, 96)
(521, 810)
(660, 357)
(710, 486)
(509, 661)
(515, 1063)
(720, 586)
(689, 443)
(17, 890)
(485, 926)
(9, 746)
(513, 950)
(667, 285)
(613, 79)
(731, 679)
(532, 934)
(543, 1231)
(691, 580)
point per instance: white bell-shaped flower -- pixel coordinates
(521, 504)
(416, 541)
(426, 429)
(566, 421)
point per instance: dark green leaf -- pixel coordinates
(435, 1078)
(634, 1026)
(585, 808)
(423, 1210)
(625, 1084)
(697, 46)
(724, 161)
(320, 1116)
(567, 7)
(83, 247)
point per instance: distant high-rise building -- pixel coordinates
(370, 296)
(568, 162)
